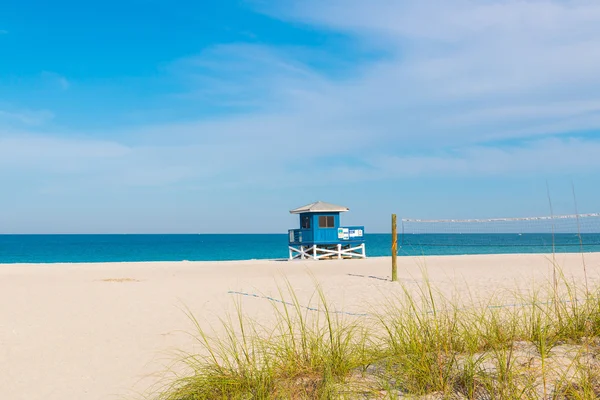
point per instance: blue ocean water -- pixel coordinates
(209, 247)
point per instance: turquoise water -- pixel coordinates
(207, 247)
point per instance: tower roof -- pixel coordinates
(319, 206)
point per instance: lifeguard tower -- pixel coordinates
(320, 235)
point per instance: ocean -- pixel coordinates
(211, 247)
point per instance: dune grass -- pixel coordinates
(302, 355)
(543, 344)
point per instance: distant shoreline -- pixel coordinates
(288, 261)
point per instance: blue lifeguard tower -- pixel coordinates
(320, 235)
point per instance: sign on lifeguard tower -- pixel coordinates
(320, 235)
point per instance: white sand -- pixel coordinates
(67, 333)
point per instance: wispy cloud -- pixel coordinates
(3, 32)
(54, 79)
(463, 88)
(446, 60)
(242, 75)
(551, 156)
(24, 117)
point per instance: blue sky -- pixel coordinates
(220, 116)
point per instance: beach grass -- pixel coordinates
(538, 344)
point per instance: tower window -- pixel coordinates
(326, 221)
(305, 222)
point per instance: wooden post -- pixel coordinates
(394, 249)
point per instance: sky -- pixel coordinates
(220, 116)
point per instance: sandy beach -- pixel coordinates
(106, 331)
